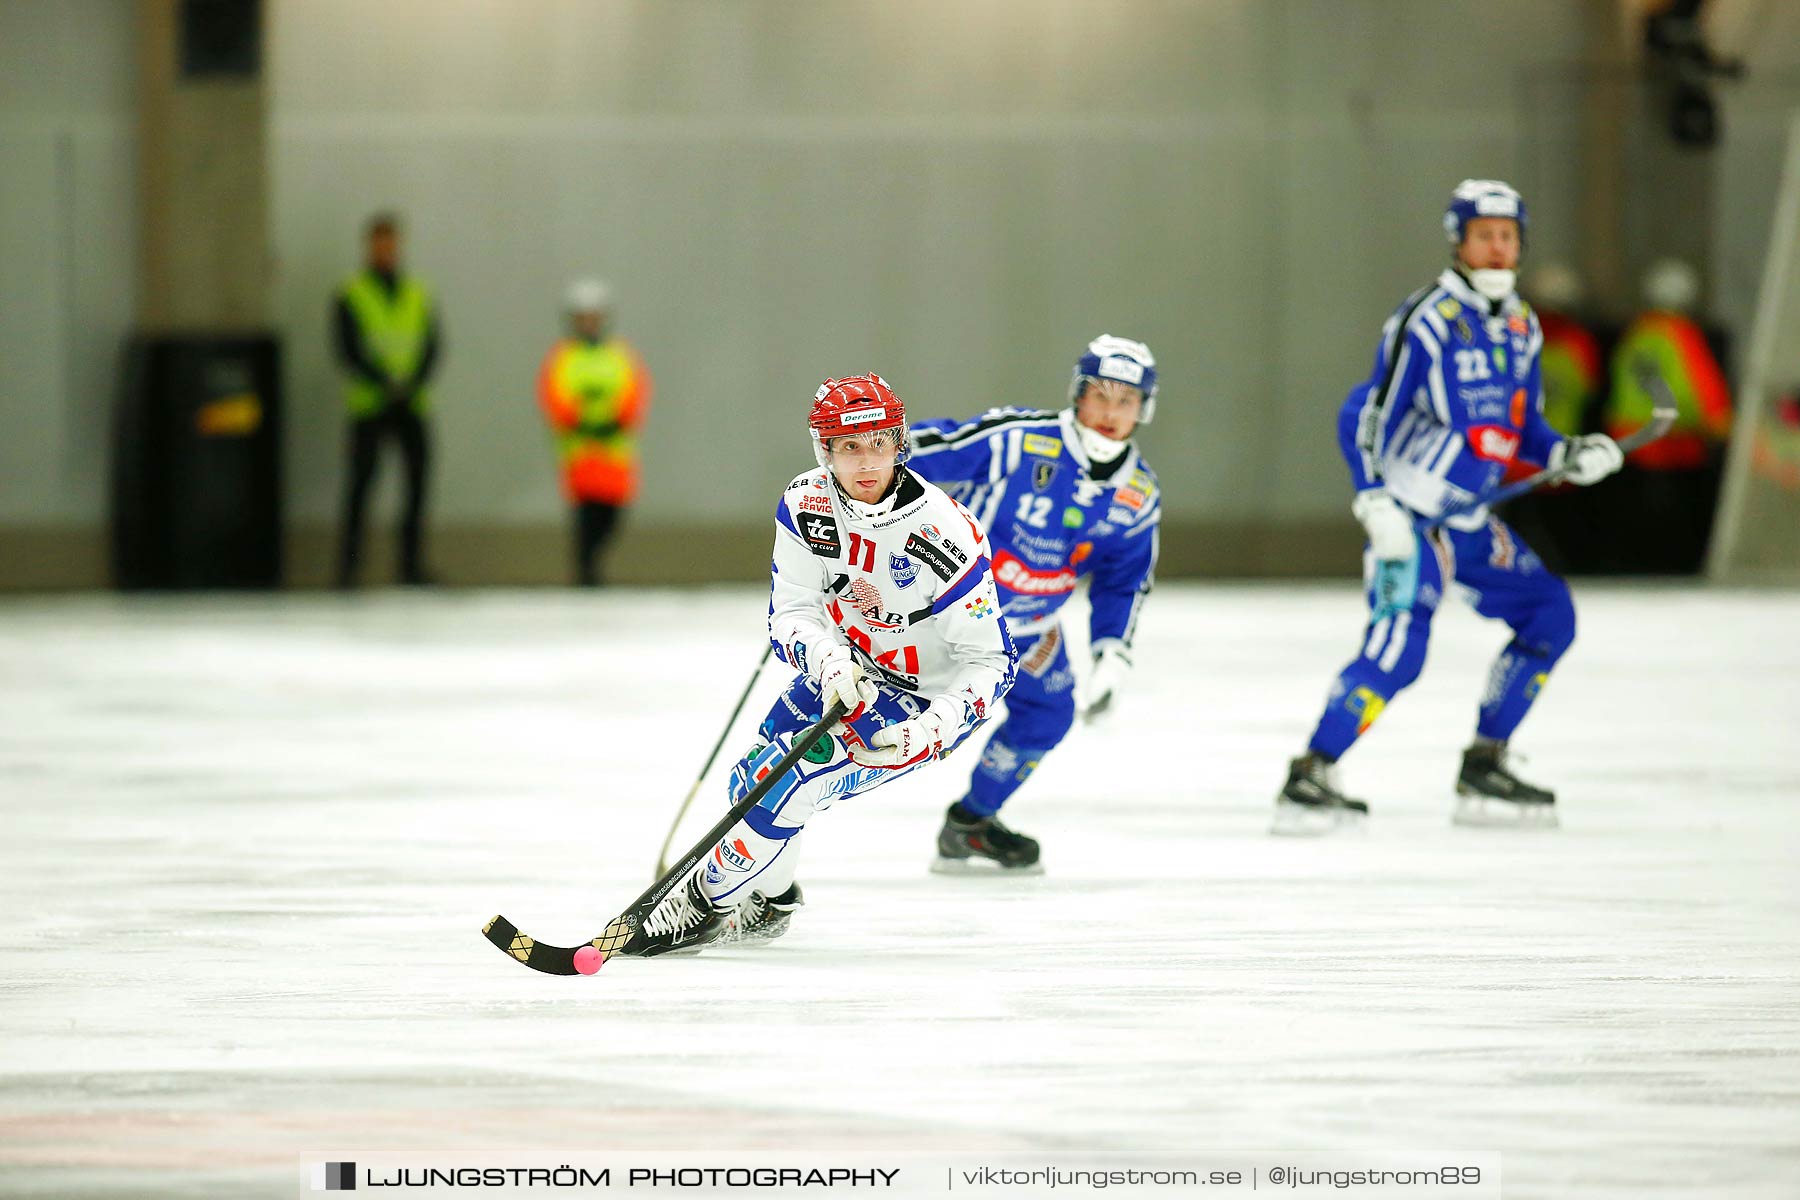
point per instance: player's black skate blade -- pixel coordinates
(984, 847)
(1490, 796)
(1310, 804)
(682, 924)
(764, 918)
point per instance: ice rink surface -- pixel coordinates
(250, 843)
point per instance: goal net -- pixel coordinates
(1756, 534)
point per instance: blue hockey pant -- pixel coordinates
(1502, 579)
(1040, 709)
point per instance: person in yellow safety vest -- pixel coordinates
(1674, 344)
(594, 391)
(388, 342)
(1570, 360)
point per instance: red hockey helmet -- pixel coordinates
(861, 404)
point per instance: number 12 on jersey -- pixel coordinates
(1034, 510)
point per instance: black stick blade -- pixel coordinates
(539, 956)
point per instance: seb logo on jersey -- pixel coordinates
(1496, 443)
(1015, 575)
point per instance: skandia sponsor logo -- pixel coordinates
(1015, 576)
(1496, 443)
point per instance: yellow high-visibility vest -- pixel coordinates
(394, 330)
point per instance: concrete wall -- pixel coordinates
(957, 195)
(67, 274)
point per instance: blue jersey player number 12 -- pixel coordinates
(1061, 495)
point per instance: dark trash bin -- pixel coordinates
(197, 464)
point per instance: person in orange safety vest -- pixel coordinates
(594, 391)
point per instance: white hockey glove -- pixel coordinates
(918, 740)
(1111, 665)
(1587, 459)
(1395, 548)
(840, 678)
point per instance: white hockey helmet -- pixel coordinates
(1121, 359)
(1483, 198)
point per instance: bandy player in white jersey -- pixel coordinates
(882, 598)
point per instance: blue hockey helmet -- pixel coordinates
(1109, 357)
(1482, 198)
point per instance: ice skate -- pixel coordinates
(1312, 805)
(1489, 794)
(764, 918)
(983, 846)
(685, 921)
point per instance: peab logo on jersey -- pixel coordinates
(903, 570)
(1496, 443)
(821, 535)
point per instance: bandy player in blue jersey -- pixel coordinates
(1061, 496)
(1454, 398)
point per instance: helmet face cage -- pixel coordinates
(858, 406)
(1121, 360)
(1483, 198)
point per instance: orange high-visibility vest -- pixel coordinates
(1677, 348)
(595, 396)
